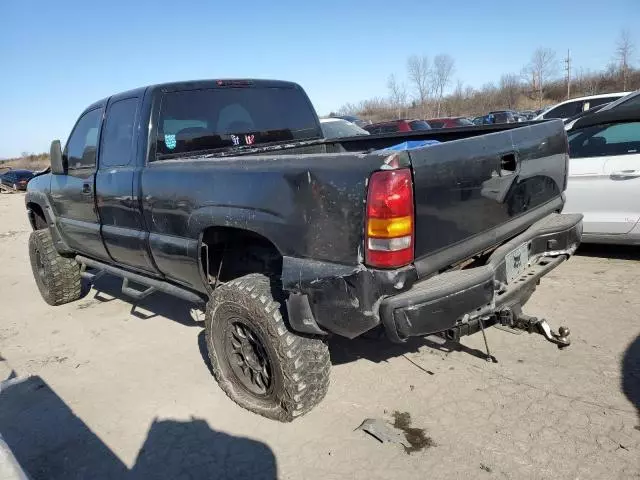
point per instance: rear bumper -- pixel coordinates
(454, 299)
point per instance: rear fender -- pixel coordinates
(266, 224)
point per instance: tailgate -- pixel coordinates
(473, 193)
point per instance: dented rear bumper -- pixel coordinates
(349, 300)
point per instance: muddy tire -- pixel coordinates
(57, 277)
(257, 361)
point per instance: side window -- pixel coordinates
(81, 146)
(595, 102)
(565, 111)
(117, 135)
(606, 140)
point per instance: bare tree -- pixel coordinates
(542, 67)
(397, 95)
(510, 88)
(624, 51)
(443, 67)
(419, 72)
(588, 82)
(455, 102)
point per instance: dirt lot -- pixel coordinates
(123, 392)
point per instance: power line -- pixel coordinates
(567, 61)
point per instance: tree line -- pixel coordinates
(421, 93)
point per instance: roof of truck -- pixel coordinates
(197, 84)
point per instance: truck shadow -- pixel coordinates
(50, 442)
(108, 288)
(621, 252)
(631, 375)
(380, 349)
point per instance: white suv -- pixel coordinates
(572, 107)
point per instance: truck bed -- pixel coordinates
(478, 188)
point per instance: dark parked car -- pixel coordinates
(450, 122)
(503, 116)
(528, 114)
(396, 126)
(226, 194)
(16, 179)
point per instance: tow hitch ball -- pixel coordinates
(521, 321)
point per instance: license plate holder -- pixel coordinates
(517, 262)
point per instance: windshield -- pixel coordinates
(24, 175)
(419, 125)
(195, 120)
(341, 128)
(631, 100)
(464, 122)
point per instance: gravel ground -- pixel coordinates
(106, 390)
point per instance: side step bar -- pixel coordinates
(152, 284)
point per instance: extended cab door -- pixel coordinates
(118, 182)
(72, 195)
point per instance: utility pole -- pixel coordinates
(568, 69)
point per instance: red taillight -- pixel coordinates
(390, 220)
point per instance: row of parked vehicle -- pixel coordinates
(341, 126)
(604, 143)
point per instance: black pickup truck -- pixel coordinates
(225, 194)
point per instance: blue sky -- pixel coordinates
(58, 57)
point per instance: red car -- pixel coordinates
(450, 122)
(395, 126)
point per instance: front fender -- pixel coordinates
(40, 198)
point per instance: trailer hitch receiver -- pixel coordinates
(520, 321)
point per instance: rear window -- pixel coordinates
(436, 124)
(419, 125)
(208, 119)
(464, 122)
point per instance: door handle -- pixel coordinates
(86, 188)
(625, 174)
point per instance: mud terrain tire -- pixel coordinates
(57, 277)
(295, 374)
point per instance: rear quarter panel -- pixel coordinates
(308, 206)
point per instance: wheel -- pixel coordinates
(257, 361)
(57, 277)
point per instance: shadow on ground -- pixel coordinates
(631, 375)
(51, 442)
(377, 348)
(108, 288)
(620, 252)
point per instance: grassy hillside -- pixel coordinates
(27, 162)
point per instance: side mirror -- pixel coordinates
(58, 165)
